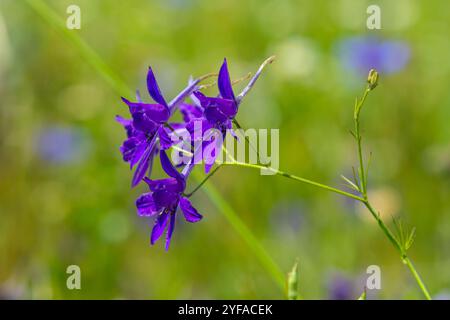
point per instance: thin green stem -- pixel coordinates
(362, 173)
(383, 227)
(203, 181)
(416, 275)
(363, 177)
(293, 177)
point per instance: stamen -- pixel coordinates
(209, 85)
(247, 76)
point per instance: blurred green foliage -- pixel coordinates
(80, 209)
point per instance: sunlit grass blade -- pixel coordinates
(86, 52)
(246, 234)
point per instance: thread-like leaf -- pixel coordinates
(410, 239)
(350, 183)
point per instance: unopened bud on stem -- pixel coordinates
(372, 79)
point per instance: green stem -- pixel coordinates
(358, 138)
(416, 275)
(387, 232)
(383, 227)
(203, 181)
(293, 177)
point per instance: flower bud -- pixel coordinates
(372, 79)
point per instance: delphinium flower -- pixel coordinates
(218, 112)
(149, 131)
(144, 128)
(164, 198)
(212, 113)
(147, 126)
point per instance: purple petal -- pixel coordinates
(176, 126)
(160, 225)
(164, 198)
(146, 205)
(143, 123)
(138, 152)
(170, 230)
(128, 148)
(153, 88)
(155, 112)
(128, 126)
(214, 115)
(190, 112)
(224, 82)
(190, 213)
(123, 121)
(150, 161)
(197, 128)
(225, 106)
(210, 157)
(168, 184)
(164, 139)
(168, 167)
(143, 164)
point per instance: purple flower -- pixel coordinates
(146, 125)
(364, 53)
(213, 112)
(220, 111)
(163, 200)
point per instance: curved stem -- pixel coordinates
(293, 177)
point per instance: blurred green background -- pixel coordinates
(65, 194)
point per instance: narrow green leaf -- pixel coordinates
(410, 239)
(292, 283)
(355, 178)
(350, 183)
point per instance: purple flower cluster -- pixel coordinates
(149, 132)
